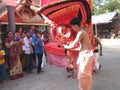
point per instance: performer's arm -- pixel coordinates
(77, 48)
(100, 46)
(77, 39)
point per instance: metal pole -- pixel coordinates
(96, 30)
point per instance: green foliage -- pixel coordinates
(105, 6)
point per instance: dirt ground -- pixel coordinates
(54, 78)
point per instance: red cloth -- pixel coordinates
(44, 2)
(57, 60)
(52, 47)
(56, 55)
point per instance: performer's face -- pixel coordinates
(74, 27)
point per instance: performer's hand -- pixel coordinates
(65, 51)
(65, 46)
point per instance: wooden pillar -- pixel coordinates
(11, 19)
(10, 4)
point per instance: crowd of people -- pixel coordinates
(22, 51)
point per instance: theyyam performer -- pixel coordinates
(85, 58)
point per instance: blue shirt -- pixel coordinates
(31, 33)
(38, 47)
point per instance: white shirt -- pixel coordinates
(27, 47)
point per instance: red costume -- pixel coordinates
(65, 35)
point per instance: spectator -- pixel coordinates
(28, 52)
(2, 63)
(32, 29)
(19, 32)
(14, 58)
(38, 45)
(97, 51)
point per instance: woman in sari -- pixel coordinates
(14, 58)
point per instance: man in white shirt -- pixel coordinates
(28, 52)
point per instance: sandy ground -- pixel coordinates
(54, 78)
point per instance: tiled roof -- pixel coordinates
(104, 18)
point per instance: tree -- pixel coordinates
(105, 6)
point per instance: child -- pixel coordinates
(2, 64)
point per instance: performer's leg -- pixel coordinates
(70, 67)
(70, 71)
(84, 74)
(70, 56)
(96, 67)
